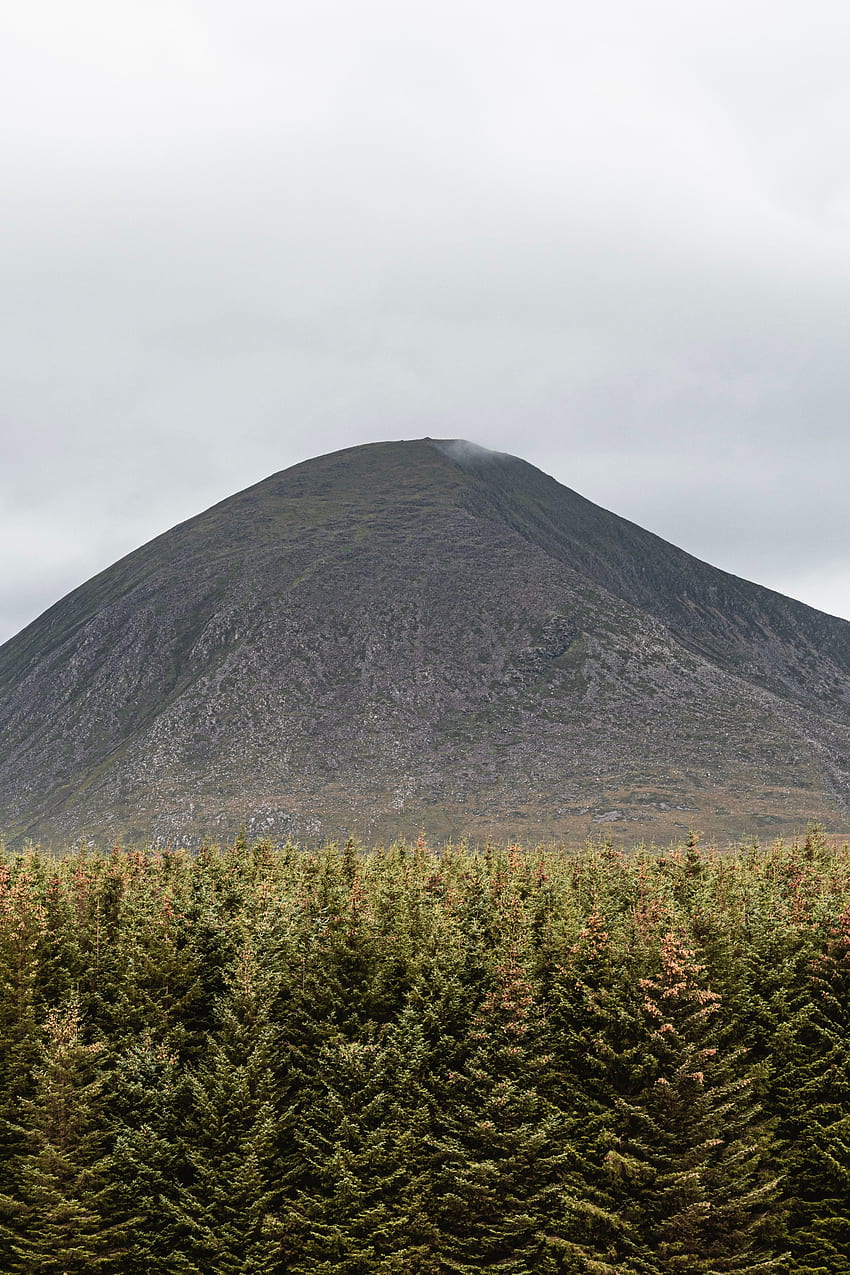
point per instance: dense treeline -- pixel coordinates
(254, 1060)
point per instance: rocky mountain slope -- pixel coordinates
(421, 635)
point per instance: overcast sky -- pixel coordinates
(612, 238)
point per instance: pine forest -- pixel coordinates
(254, 1060)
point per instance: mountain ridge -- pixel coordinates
(381, 621)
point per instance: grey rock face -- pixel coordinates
(420, 635)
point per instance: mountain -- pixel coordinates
(421, 635)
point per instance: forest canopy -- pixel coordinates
(425, 1059)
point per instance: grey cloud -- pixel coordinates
(610, 239)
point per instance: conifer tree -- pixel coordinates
(161, 992)
(356, 1201)
(62, 1218)
(698, 1129)
(105, 971)
(689, 1188)
(596, 1048)
(148, 1105)
(229, 1137)
(22, 930)
(355, 1087)
(813, 1094)
(500, 1154)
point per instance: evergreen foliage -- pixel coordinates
(279, 1062)
(63, 1220)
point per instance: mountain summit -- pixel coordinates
(421, 635)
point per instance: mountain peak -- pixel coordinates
(420, 634)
